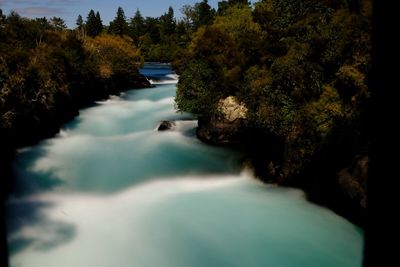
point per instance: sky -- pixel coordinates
(70, 9)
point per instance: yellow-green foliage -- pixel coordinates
(238, 22)
(221, 52)
(47, 72)
(325, 111)
(300, 67)
(113, 55)
(258, 78)
(353, 81)
(198, 91)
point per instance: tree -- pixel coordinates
(247, 34)
(79, 22)
(2, 16)
(224, 5)
(93, 27)
(99, 22)
(220, 50)
(204, 14)
(119, 26)
(181, 29)
(115, 58)
(167, 22)
(152, 27)
(187, 11)
(136, 26)
(58, 23)
(197, 89)
(300, 67)
(200, 14)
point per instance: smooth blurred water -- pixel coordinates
(110, 190)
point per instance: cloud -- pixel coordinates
(37, 2)
(38, 8)
(39, 11)
(20, 2)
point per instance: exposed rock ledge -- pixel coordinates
(232, 109)
(229, 128)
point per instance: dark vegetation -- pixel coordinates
(301, 68)
(47, 72)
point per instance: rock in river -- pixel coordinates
(165, 125)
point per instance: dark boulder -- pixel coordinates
(165, 125)
(221, 132)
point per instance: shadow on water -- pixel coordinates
(29, 214)
(73, 124)
(189, 133)
(28, 182)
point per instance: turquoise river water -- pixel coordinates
(110, 190)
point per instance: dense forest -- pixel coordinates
(48, 72)
(294, 72)
(288, 82)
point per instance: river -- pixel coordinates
(110, 190)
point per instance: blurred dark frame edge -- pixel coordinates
(381, 246)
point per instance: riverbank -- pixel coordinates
(335, 177)
(47, 74)
(297, 87)
(30, 131)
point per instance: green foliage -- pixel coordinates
(324, 112)
(352, 84)
(152, 28)
(136, 26)
(224, 47)
(163, 52)
(197, 93)
(162, 38)
(295, 74)
(237, 22)
(79, 22)
(58, 23)
(220, 50)
(167, 22)
(119, 26)
(203, 14)
(99, 22)
(300, 66)
(159, 40)
(270, 108)
(46, 72)
(223, 6)
(94, 26)
(2, 16)
(115, 58)
(200, 14)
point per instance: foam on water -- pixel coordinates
(159, 82)
(225, 220)
(110, 191)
